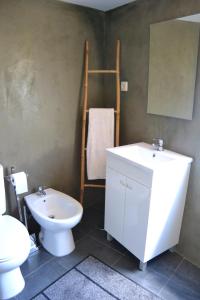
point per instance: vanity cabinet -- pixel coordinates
(136, 210)
(144, 206)
(115, 202)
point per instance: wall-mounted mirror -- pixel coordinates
(173, 57)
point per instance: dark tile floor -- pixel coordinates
(169, 275)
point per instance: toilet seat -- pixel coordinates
(14, 238)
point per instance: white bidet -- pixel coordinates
(56, 213)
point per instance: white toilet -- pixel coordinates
(56, 213)
(14, 249)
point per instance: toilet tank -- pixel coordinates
(2, 192)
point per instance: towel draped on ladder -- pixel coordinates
(100, 137)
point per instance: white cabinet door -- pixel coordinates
(114, 205)
(136, 217)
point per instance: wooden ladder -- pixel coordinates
(116, 73)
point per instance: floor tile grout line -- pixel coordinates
(84, 234)
(97, 284)
(195, 265)
(182, 261)
(89, 233)
(80, 239)
(104, 244)
(171, 276)
(46, 297)
(107, 246)
(117, 260)
(59, 277)
(41, 293)
(123, 275)
(54, 258)
(42, 265)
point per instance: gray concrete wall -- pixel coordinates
(131, 25)
(41, 59)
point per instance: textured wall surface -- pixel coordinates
(131, 25)
(41, 59)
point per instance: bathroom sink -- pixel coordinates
(145, 155)
(145, 197)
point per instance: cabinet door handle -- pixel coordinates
(129, 187)
(122, 183)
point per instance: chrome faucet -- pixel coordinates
(158, 144)
(41, 191)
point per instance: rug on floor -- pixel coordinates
(92, 279)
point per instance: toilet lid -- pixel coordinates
(13, 237)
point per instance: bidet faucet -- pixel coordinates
(41, 191)
(158, 144)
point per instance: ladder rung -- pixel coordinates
(87, 72)
(87, 111)
(100, 186)
(102, 71)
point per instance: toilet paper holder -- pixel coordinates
(10, 179)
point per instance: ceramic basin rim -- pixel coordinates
(52, 192)
(174, 157)
(55, 220)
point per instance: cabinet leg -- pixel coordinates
(109, 237)
(142, 266)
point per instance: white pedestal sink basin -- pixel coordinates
(145, 198)
(144, 155)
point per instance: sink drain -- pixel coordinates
(51, 216)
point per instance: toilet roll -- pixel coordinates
(19, 180)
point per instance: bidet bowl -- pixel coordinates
(57, 213)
